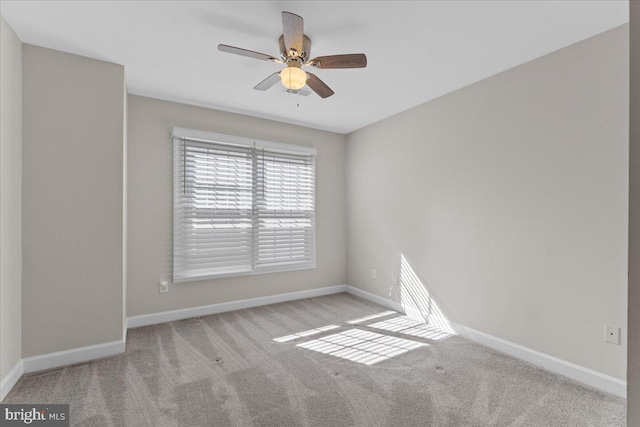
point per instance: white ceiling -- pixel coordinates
(417, 51)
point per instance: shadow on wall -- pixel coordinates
(414, 297)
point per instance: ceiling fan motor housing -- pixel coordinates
(303, 56)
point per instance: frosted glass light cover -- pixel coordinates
(293, 78)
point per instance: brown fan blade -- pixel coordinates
(319, 86)
(268, 82)
(293, 30)
(353, 60)
(247, 53)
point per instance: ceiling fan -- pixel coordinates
(295, 48)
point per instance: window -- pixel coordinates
(241, 206)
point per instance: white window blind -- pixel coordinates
(241, 206)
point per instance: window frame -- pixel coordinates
(180, 134)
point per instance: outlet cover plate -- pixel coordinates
(164, 286)
(612, 334)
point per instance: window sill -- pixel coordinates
(245, 273)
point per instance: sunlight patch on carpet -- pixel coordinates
(306, 333)
(363, 347)
(373, 316)
(416, 328)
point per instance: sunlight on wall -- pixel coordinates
(416, 301)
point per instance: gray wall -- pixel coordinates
(73, 131)
(10, 198)
(150, 207)
(633, 374)
(508, 200)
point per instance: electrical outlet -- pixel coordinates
(164, 286)
(374, 274)
(612, 334)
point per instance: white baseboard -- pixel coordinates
(11, 379)
(169, 316)
(72, 356)
(578, 373)
(385, 302)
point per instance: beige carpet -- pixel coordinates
(249, 368)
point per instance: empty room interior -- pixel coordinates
(313, 213)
